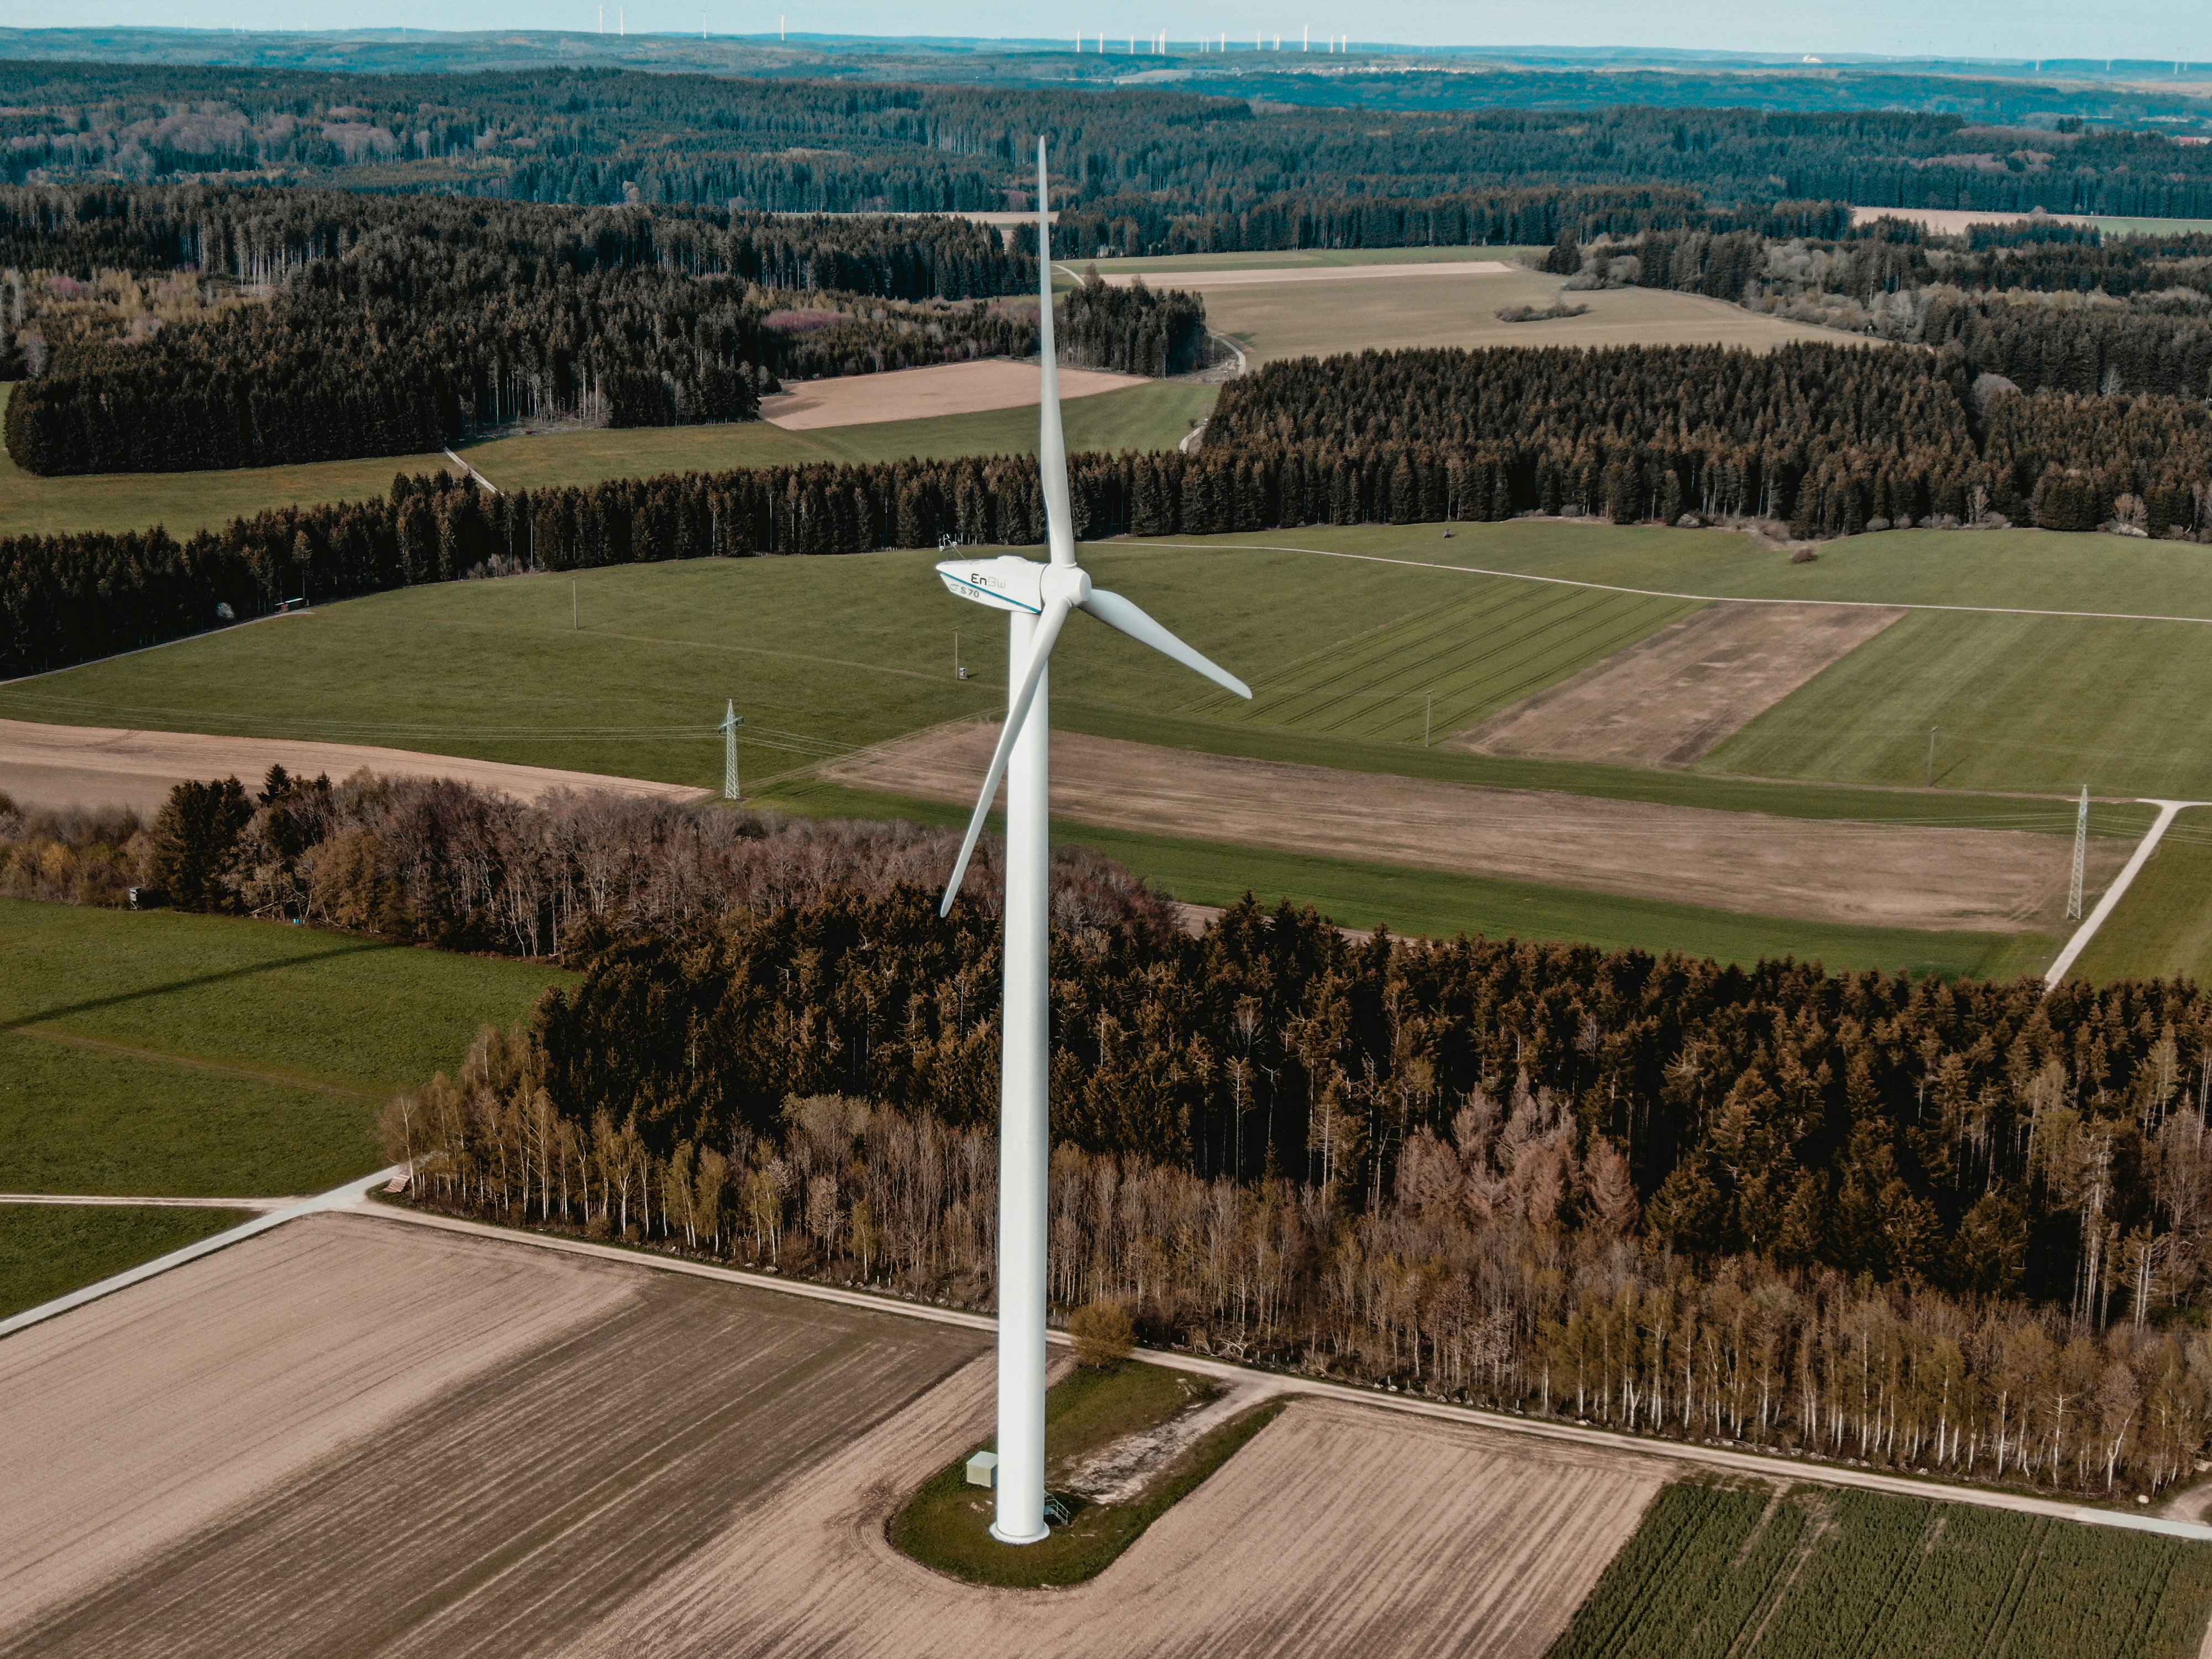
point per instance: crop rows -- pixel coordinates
(1810, 1574)
(1477, 653)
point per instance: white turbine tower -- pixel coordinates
(1036, 598)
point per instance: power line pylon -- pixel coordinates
(734, 720)
(2081, 857)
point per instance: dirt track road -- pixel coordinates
(1871, 874)
(106, 766)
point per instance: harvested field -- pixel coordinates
(911, 394)
(351, 1436)
(1671, 699)
(1449, 1540)
(106, 766)
(1864, 874)
(1322, 312)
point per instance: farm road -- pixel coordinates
(105, 766)
(1868, 874)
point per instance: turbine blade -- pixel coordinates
(1052, 442)
(1017, 713)
(1117, 612)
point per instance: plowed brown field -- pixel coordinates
(910, 394)
(353, 1435)
(1873, 874)
(1337, 1531)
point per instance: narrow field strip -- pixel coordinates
(1670, 593)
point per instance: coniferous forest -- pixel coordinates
(598, 136)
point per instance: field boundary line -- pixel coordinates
(1278, 1382)
(109, 1201)
(1669, 593)
(339, 1198)
(2167, 811)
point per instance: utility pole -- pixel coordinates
(2081, 857)
(731, 722)
(1931, 757)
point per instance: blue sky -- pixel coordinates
(2010, 28)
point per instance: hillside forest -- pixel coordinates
(1686, 434)
(1959, 1226)
(1181, 168)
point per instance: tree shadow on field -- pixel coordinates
(226, 976)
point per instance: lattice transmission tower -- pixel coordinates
(732, 720)
(2081, 857)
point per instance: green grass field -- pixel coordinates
(826, 655)
(1156, 416)
(945, 1525)
(2015, 702)
(175, 1056)
(2162, 926)
(49, 1250)
(1437, 904)
(1748, 1574)
(2033, 570)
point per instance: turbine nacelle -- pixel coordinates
(1011, 582)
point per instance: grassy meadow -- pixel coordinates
(188, 1056)
(1813, 1573)
(827, 655)
(2163, 926)
(1386, 314)
(2015, 702)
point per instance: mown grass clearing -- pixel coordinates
(2162, 926)
(1387, 313)
(2034, 569)
(173, 1055)
(1447, 663)
(1813, 1573)
(48, 1250)
(946, 1524)
(1156, 416)
(2015, 703)
(1148, 418)
(1436, 904)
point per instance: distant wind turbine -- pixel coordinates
(1037, 598)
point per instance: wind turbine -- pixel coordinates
(1036, 598)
